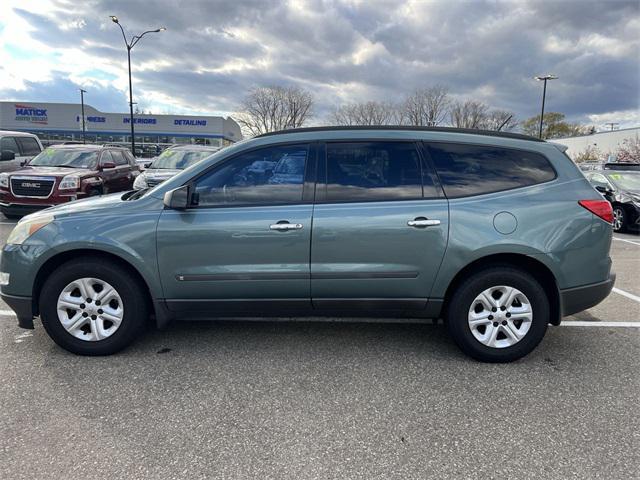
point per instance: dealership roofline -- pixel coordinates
(140, 133)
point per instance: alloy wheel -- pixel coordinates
(618, 217)
(90, 309)
(500, 316)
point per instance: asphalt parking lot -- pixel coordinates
(328, 400)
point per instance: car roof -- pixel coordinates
(194, 148)
(6, 133)
(83, 146)
(468, 131)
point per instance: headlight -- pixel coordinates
(70, 182)
(27, 227)
(4, 180)
(140, 182)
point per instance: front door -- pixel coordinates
(380, 228)
(243, 246)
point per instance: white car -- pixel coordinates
(17, 148)
(170, 162)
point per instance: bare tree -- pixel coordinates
(468, 114)
(366, 113)
(425, 107)
(268, 109)
(502, 120)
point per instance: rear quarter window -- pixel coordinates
(466, 170)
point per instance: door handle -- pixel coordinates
(422, 222)
(283, 226)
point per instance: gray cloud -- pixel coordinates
(345, 51)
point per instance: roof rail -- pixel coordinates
(490, 133)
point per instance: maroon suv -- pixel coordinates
(63, 173)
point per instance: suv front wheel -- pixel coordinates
(499, 314)
(92, 307)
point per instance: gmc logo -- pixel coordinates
(30, 185)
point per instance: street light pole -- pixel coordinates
(82, 92)
(543, 78)
(130, 44)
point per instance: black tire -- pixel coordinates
(11, 216)
(130, 291)
(619, 211)
(462, 299)
(95, 192)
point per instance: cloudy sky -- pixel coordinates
(343, 51)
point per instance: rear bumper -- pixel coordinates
(574, 300)
(23, 306)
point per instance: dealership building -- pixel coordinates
(57, 122)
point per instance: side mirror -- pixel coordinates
(603, 189)
(179, 198)
(7, 155)
(106, 165)
(24, 163)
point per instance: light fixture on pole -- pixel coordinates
(543, 78)
(130, 44)
(82, 92)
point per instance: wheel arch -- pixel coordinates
(55, 261)
(530, 265)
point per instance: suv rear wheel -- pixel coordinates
(498, 315)
(92, 307)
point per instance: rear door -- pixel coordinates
(380, 227)
(244, 246)
(124, 170)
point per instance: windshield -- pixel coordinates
(179, 159)
(53, 157)
(626, 180)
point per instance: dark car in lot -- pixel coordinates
(170, 162)
(499, 234)
(63, 173)
(620, 185)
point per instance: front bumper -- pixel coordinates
(21, 209)
(23, 306)
(577, 299)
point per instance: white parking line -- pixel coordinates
(627, 241)
(626, 294)
(7, 313)
(579, 323)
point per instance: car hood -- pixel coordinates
(50, 171)
(84, 205)
(162, 173)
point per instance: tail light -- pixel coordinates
(601, 208)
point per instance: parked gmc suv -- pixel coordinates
(63, 173)
(498, 234)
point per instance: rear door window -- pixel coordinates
(466, 170)
(118, 158)
(28, 145)
(373, 171)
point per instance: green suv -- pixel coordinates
(498, 234)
